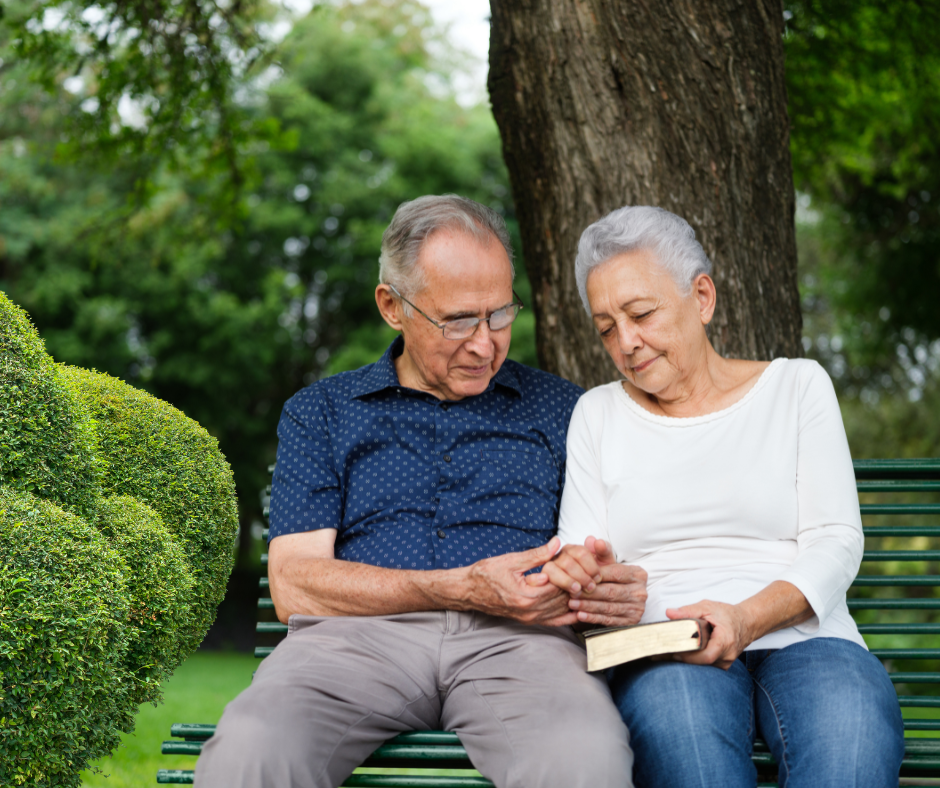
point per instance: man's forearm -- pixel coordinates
(333, 587)
(321, 586)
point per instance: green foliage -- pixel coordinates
(98, 604)
(165, 460)
(48, 441)
(226, 324)
(63, 696)
(174, 64)
(159, 587)
(863, 81)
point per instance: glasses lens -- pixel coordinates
(460, 329)
(502, 318)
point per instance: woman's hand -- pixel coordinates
(575, 568)
(730, 634)
(735, 627)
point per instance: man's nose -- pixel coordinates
(481, 340)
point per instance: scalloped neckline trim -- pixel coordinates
(691, 421)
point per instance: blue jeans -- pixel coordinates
(825, 707)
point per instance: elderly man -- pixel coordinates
(411, 499)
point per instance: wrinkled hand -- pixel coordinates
(499, 587)
(601, 591)
(730, 633)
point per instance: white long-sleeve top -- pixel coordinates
(719, 506)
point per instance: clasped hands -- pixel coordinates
(578, 584)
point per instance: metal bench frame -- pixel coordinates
(910, 592)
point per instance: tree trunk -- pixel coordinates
(674, 103)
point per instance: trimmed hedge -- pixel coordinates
(117, 534)
(63, 638)
(156, 454)
(159, 588)
(47, 439)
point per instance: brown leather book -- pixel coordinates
(616, 645)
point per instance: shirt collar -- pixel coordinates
(382, 375)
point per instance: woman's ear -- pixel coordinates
(389, 306)
(703, 288)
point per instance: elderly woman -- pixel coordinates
(730, 482)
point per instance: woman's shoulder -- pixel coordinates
(594, 403)
(805, 370)
(600, 395)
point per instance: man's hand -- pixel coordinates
(500, 587)
(601, 591)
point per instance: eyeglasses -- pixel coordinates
(465, 327)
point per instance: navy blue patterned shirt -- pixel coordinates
(413, 482)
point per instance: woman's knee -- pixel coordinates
(830, 714)
(689, 725)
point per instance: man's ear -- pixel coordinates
(389, 306)
(704, 290)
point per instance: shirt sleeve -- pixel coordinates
(829, 537)
(305, 491)
(584, 501)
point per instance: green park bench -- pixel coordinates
(894, 601)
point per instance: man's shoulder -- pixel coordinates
(333, 390)
(536, 380)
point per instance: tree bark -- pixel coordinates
(674, 103)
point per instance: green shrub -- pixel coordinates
(157, 455)
(47, 440)
(63, 687)
(117, 534)
(159, 588)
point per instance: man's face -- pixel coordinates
(463, 278)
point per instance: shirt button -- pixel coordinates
(441, 534)
(446, 458)
(445, 406)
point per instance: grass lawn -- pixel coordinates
(197, 692)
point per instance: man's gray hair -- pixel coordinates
(667, 236)
(416, 221)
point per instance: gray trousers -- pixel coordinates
(336, 688)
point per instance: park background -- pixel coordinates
(224, 281)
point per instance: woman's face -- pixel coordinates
(654, 334)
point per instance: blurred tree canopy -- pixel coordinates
(149, 85)
(224, 320)
(864, 91)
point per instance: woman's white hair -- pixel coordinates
(416, 221)
(667, 236)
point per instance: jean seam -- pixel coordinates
(784, 767)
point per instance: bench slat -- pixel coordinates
(897, 580)
(897, 485)
(920, 701)
(894, 604)
(900, 508)
(915, 678)
(901, 530)
(922, 725)
(271, 627)
(175, 777)
(191, 730)
(181, 747)
(926, 467)
(899, 629)
(901, 555)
